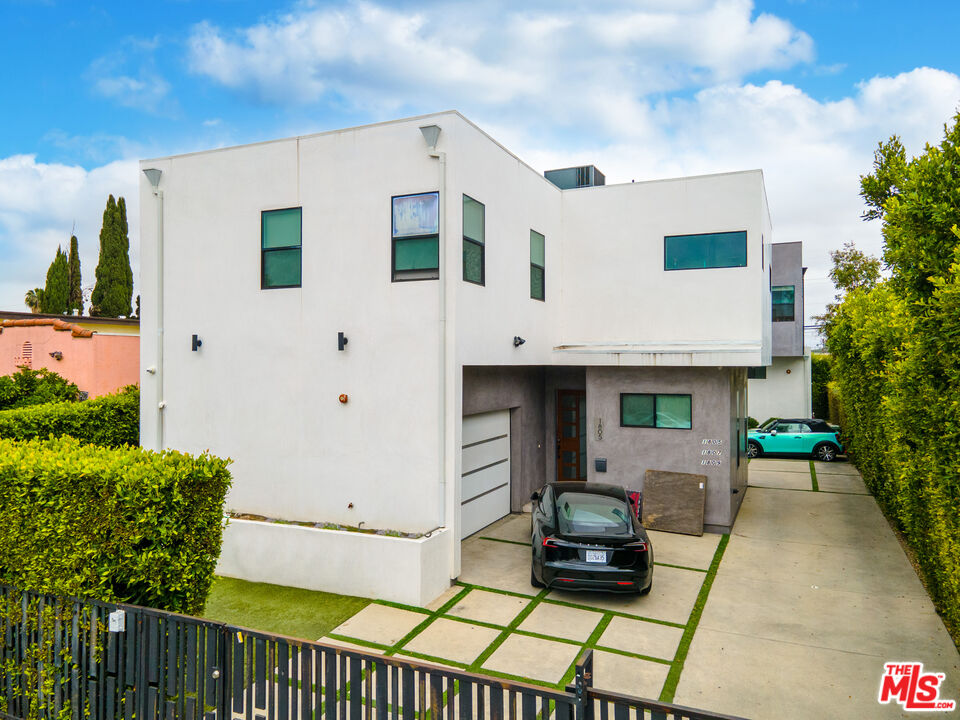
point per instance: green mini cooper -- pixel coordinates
(791, 436)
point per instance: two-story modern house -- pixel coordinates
(783, 389)
(403, 330)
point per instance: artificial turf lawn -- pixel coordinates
(304, 614)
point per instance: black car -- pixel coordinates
(586, 536)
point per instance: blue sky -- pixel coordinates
(642, 88)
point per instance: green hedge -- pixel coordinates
(111, 420)
(120, 525)
(896, 360)
(35, 387)
(819, 377)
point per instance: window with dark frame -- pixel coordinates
(672, 411)
(415, 237)
(281, 241)
(783, 303)
(474, 261)
(537, 265)
(706, 250)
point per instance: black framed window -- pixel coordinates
(415, 237)
(537, 265)
(656, 410)
(783, 303)
(707, 250)
(474, 266)
(757, 373)
(281, 240)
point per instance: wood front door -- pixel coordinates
(571, 435)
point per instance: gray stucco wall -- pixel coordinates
(787, 269)
(519, 389)
(631, 451)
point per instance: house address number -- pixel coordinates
(711, 455)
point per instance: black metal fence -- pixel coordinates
(62, 660)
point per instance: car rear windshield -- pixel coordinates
(588, 514)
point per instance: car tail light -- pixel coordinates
(566, 579)
(636, 547)
(624, 582)
(550, 542)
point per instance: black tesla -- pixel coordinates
(586, 536)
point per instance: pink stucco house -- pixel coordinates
(100, 355)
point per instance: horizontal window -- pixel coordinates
(783, 303)
(473, 241)
(538, 263)
(280, 248)
(660, 411)
(415, 237)
(709, 250)
(757, 373)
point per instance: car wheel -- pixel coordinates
(825, 452)
(753, 449)
(533, 580)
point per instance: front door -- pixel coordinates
(571, 435)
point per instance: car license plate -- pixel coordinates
(597, 556)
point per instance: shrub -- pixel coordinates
(752, 423)
(116, 524)
(819, 377)
(111, 420)
(35, 387)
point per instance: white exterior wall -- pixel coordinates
(785, 392)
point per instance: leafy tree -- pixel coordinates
(852, 270)
(76, 293)
(819, 378)
(56, 293)
(114, 289)
(33, 299)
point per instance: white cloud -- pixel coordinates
(40, 203)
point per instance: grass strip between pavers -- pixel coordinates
(813, 478)
(616, 613)
(673, 677)
(502, 637)
(681, 567)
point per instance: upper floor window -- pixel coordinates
(537, 265)
(280, 248)
(415, 237)
(660, 411)
(783, 303)
(473, 241)
(709, 250)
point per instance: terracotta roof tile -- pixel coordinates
(74, 329)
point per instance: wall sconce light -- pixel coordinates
(343, 398)
(196, 343)
(342, 341)
(518, 341)
(57, 355)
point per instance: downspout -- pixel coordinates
(442, 261)
(161, 403)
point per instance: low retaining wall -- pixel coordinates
(404, 570)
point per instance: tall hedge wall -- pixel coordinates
(896, 359)
(111, 420)
(819, 377)
(117, 524)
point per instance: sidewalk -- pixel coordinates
(813, 595)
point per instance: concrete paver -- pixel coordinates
(781, 480)
(491, 607)
(685, 550)
(445, 597)
(813, 595)
(838, 467)
(514, 527)
(561, 621)
(642, 638)
(632, 676)
(841, 483)
(672, 598)
(532, 657)
(380, 624)
(452, 640)
(799, 465)
(492, 564)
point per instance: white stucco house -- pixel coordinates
(783, 389)
(403, 328)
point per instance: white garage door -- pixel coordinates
(485, 485)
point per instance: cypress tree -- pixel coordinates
(56, 294)
(114, 288)
(76, 292)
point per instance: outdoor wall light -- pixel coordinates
(196, 343)
(342, 341)
(343, 398)
(56, 355)
(431, 133)
(518, 341)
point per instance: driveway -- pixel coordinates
(813, 596)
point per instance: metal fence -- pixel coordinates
(62, 660)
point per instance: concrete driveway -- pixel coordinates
(813, 596)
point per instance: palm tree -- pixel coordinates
(33, 299)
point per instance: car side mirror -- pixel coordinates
(773, 432)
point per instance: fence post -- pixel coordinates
(583, 681)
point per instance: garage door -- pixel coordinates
(485, 485)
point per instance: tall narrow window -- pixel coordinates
(280, 248)
(473, 241)
(783, 303)
(709, 250)
(415, 237)
(537, 265)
